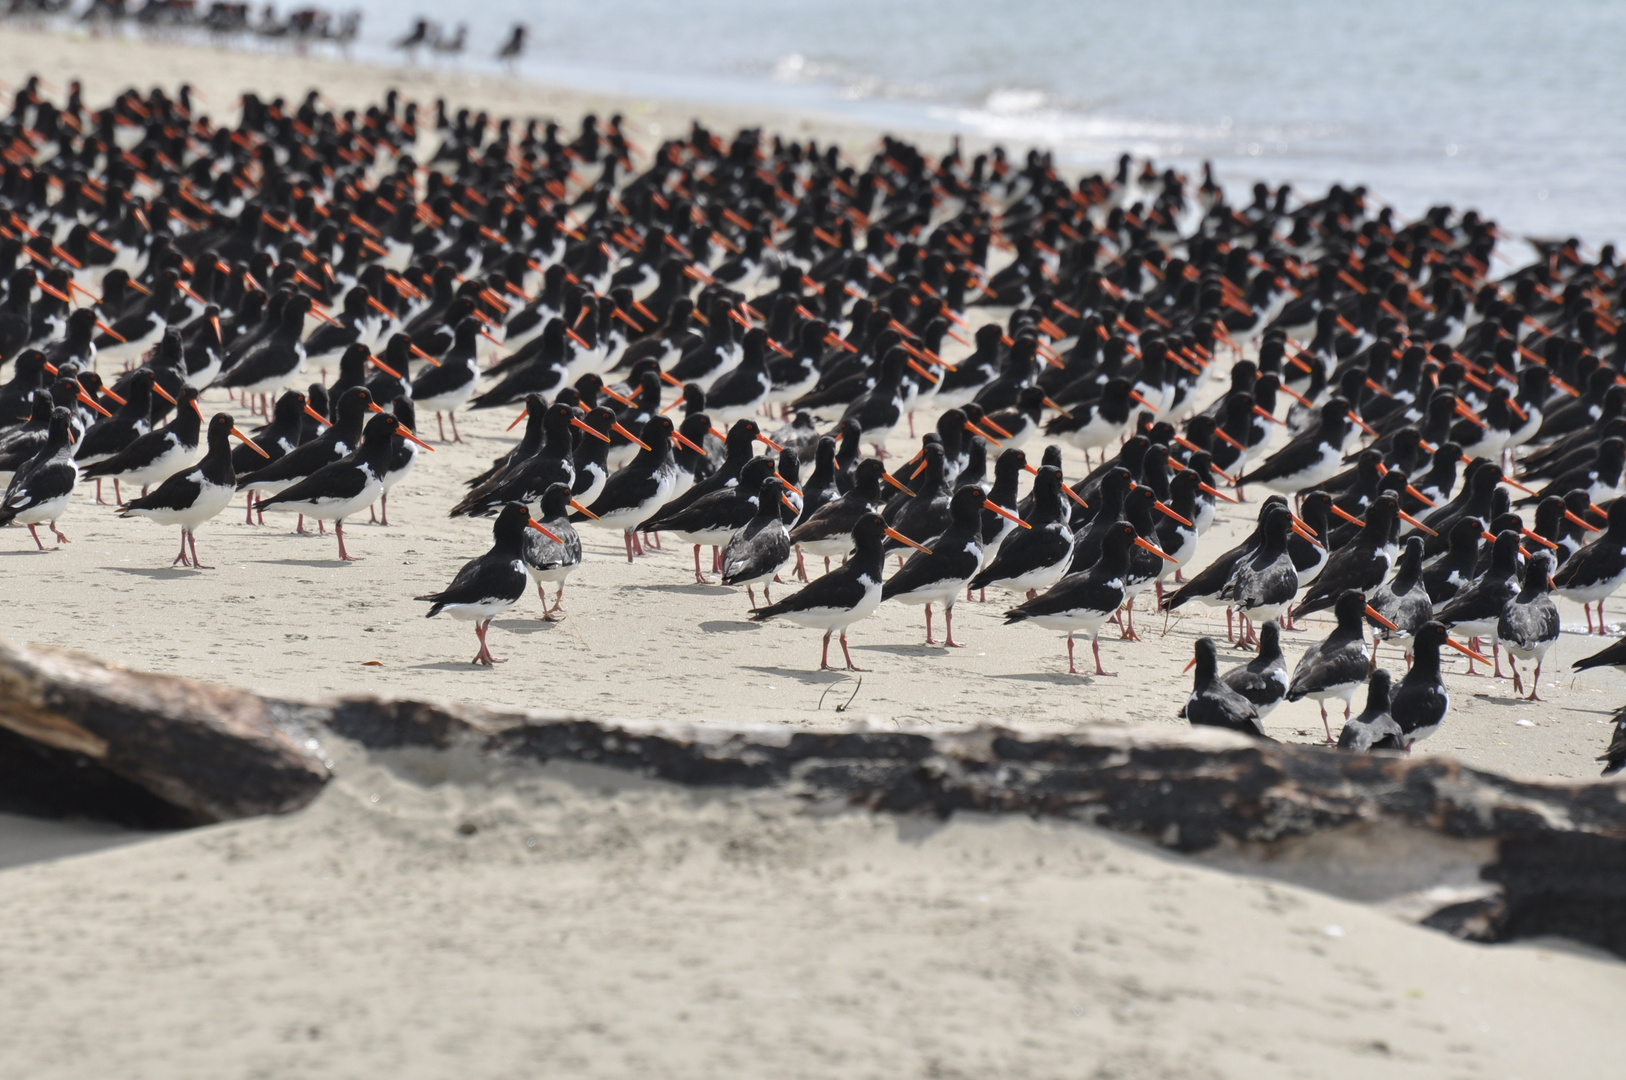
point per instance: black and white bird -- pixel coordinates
(353, 483)
(157, 454)
(1529, 624)
(191, 497)
(1336, 666)
(940, 573)
(760, 548)
(1033, 559)
(1614, 756)
(1213, 702)
(828, 532)
(492, 583)
(1312, 457)
(444, 389)
(715, 517)
(1263, 679)
(40, 489)
(1477, 608)
(1402, 600)
(553, 560)
(1374, 728)
(1597, 571)
(849, 593)
(1081, 602)
(632, 493)
(1420, 702)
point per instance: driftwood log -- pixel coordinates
(1550, 855)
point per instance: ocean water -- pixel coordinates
(1513, 108)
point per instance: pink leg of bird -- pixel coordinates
(948, 621)
(192, 538)
(182, 558)
(626, 538)
(1588, 609)
(61, 537)
(1496, 657)
(118, 499)
(700, 579)
(929, 639)
(338, 530)
(484, 656)
(1324, 723)
(384, 509)
(752, 597)
(1534, 680)
(801, 565)
(452, 416)
(440, 421)
(1095, 646)
(99, 502)
(1072, 669)
(34, 532)
(321, 527)
(850, 665)
(558, 600)
(824, 657)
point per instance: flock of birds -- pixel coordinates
(1452, 444)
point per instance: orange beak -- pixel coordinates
(1347, 516)
(975, 430)
(1306, 533)
(110, 332)
(895, 482)
(310, 412)
(1378, 617)
(1465, 651)
(1141, 542)
(1168, 511)
(1075, 496)
(545, 531)
(1409, 520)
(88, 400)
(106, 391)
(989, 504)
(1419, 496)
(1223, 437)
(1052, 405)
(1542, 540)
(406, 433)
(625, 434)
(670, 381)
(902, 539)
(237, 433)
(161, 392)
(1215, 492)
(381, 366)
(683, 440)
(613, 396)
(1570, 517)
(523, 413)
(421, 355)
(996, 429)
(578, 422)
(1189, 665)
(580, 509)
(1260, 411)
(1134, 395)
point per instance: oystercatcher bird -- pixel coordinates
(1595, 572)
(268, 366)
(1528, 625)
(491, 584)
(334, 492)
(1360, 563)
(114, 434)
(1610, 656)
(1310, 458)
(760, 548)
(1477, 607)
(553, 560)
(444, 389)
(716, 516)
(40, 489)
(1033, 559)
(403, 459)
(1085, 600)
(631, 494)
(1334, 667)
(828, 532)
(1420, 702)
(1213, 702)
(949, 563)
(1402, 600)
(196, 495)
(1373, 728)
(1263, 679)
(1265, 581)
(157, 454)
(850, 592)
(340, 438)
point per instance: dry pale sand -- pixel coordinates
(435, 916)
(593, 926)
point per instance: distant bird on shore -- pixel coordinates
(423, 33)
(514, 47)
(451, 46)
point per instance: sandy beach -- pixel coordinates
(435, 915)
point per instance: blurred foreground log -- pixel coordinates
(83, 738)
(78, 737)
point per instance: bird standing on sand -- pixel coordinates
(193, 496)
(847, 594)
(492, 583)
(1528, 625)
(938, 574)
(40, 489)
(1374, 728)
(550, 560)
(514, 47)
